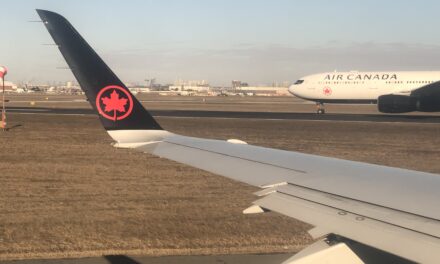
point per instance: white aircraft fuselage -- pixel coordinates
(361, 87)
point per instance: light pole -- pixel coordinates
(3, 72)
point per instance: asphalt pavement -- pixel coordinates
(357, 117)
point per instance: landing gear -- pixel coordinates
(320, 108)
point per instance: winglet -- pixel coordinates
(118, 109)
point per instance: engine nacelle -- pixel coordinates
(396, 104)
(403, 104)
(428, 104)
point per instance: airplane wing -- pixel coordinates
(432, 89)
(361, 211)
(423, 99)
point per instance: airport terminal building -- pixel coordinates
(9, 86)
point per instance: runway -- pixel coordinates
(340, 117)
(121, 259)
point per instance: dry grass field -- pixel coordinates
(66, 192)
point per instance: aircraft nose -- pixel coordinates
(292, 89)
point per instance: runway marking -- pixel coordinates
(44, 101)
(377, 119)
(171, 101)
(48, 112)
(231, 102)
(24, 109)
(307, 120)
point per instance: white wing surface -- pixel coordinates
(390, 209)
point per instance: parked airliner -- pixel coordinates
(393, 92)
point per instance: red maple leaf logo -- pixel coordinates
(114, 103)
(119, 101)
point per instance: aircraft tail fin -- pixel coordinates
(116, 106)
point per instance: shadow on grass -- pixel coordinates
(120, 259)
(14, 126)
(11, 127)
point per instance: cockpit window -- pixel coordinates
(299, 82)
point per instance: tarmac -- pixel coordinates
(348, 117)
(121, 259)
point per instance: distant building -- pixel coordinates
(139, 89)
(263, 90)
(277, 89)
(190, 86)
(237, 84)
(9, 86)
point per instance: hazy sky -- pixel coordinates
(258, 41)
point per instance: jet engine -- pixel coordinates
(396, 103)
(403, 104)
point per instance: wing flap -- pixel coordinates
(400, 241)
(402, 219)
